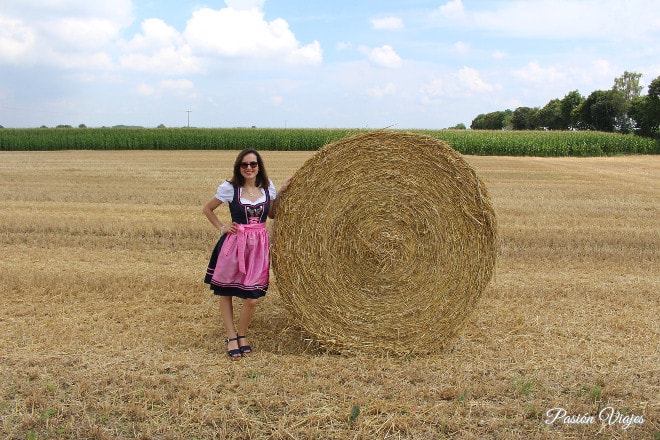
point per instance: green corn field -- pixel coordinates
(472, 142)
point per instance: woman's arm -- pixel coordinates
(276, 200)
(273, 206)
(209, 212)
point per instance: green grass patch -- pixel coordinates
(472, 142)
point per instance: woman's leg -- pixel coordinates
(227, 314)
(247, 312)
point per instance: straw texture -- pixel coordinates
(383, 243)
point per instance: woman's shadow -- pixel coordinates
(271, 330)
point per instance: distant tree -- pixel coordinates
(569, 103)
(507, 123)
(82, 126)
(490, 121)
(525, 118)
(645, 111)
(551, 117)
(639, 112)
(505, 118)
(628, 85)
(64, 126)
(654, 89)
(620, 109)
(459, 126)
(161, 126)
(654, 106)
(602, 111)
(479, 123)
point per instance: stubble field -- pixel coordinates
(107, 330)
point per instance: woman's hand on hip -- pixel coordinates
(228, 229)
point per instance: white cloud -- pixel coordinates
(180, 87)
(602, 67)
(472, 81)
(276, 100)
(596, 74)
(343, 45)
(160, 49)
(498, 55)
(379, 92)
(213, 36)
(145, 90)
(452, 10)
(242, 5)
(16, 38)
(534, 73)
(177, 84)
(383, 56)
(80, 34)
(167, 61)
(85, 61)
(155, 35)
(439, 88)
(119, 11)
(308, 54)
(463, 83)
(62, 32)
(461, 48)
(559, 79)
(245, 34)
(611, 20)
(387, 23)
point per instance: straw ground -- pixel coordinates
(107, 331)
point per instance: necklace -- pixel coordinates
(249, 191)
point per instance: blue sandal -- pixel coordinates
(244, 349)
(236, 352)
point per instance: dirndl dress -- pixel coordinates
(240, 262)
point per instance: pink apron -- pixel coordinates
(243, 261)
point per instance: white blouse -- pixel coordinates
(225, 193)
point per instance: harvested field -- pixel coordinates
(107, 330)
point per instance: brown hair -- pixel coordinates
(262, 177)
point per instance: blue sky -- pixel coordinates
(310, 63)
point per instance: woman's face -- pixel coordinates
(249, 166)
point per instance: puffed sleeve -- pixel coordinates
(225, 192)
(272, 192)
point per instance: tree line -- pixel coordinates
(622, 109)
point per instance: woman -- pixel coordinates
(240, 262)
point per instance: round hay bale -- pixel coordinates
(383, 243)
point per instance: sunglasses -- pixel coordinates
(245, 165)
